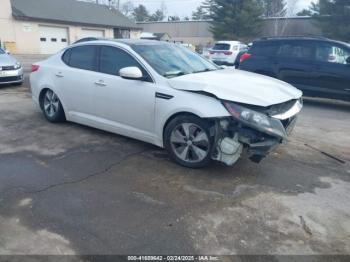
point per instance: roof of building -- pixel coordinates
(70, 11)
(210, 20)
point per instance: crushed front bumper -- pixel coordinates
(256, 144)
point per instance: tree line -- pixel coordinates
(332, 16)
(242, 19)
(237, 19)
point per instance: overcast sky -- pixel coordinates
(184, 8)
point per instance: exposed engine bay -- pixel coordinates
(256, 131)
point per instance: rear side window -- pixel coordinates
(223, 47)
(267, 48)
(113, 59)
(331, 53)
(82, 57)
(66, 56)
(300, 50)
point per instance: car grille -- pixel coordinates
(7, 68)
(10, 79)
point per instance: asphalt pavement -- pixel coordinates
(70, 189)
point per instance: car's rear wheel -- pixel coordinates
(188, 141)
(52, 107)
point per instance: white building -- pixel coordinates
(46, 26)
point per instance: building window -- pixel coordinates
(53, 39)
(43, 39)
(64, 40)
(121, 33)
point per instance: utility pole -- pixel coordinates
(118, 5)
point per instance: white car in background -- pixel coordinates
(169, 96)
(226, 52)
(11, 71)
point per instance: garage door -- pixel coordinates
(52, 39)
(92, 33)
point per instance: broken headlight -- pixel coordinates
(256, 120)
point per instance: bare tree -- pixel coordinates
(278, 14)
(127, 8)
(292, 5)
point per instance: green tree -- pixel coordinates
(157, 16)
(174, 18)
(305, 12)
(235, 19)
(200, 14)
(141, 14)
(333, 17)
(204, 11)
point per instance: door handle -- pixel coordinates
(59, 74)
(100, 83)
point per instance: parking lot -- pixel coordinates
(69, 189)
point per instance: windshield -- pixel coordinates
(2, 52)
(171, 60)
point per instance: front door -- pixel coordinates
(293, 63)
(128, 105)
(332, 72)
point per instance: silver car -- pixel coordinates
(11, 71)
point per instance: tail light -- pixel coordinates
(35, 68)
(228, 53)
(244, 57)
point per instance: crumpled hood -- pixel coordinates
(238, 86)
(6, 60)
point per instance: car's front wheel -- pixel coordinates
(52, 107)
(188, 141)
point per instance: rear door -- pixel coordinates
(76, 80)
(332, 73)
(293, 62)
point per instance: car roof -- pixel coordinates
(299, 38)
(129, 42)
(228, 42)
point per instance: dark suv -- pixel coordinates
(318, 66)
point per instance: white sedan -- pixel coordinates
(169, 96)
(11, 71)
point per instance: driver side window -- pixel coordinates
(331, 54)
(113, 59)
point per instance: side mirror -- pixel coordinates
(131, 73)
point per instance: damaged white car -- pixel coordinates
(167, 95)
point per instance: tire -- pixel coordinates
(52, 107)
(188, 141)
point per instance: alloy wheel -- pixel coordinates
(190, 142)
(51, 103)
